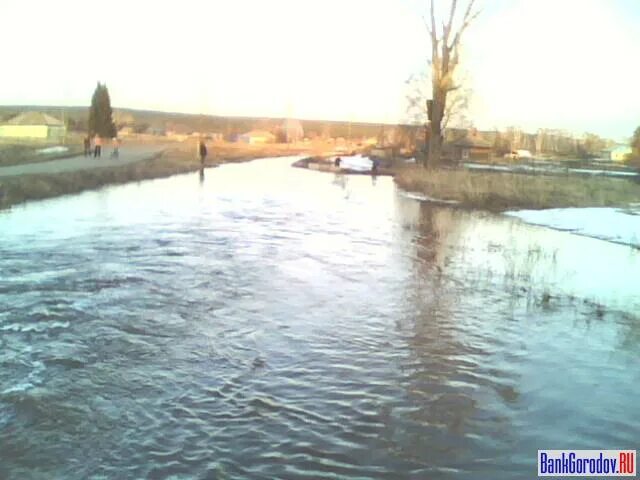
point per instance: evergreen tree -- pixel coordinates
(100, 114)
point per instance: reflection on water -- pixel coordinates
(271, 322)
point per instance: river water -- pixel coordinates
(263, 321)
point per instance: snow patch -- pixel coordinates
(610, 224)
(551, 169)
(49, 150)
(426, 198)
(357, 163)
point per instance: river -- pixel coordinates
(263, 321)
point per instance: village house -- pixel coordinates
(33, 125)
(125, 131)
(255, 137)
(471, 147)
(618, 153)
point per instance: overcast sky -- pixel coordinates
(569, 64)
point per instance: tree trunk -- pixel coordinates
(427, 134)
(435, 148)
(435, 140)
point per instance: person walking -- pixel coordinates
(374, 166)
(202, 150)
(87, 146)
(97, 151)
(116, 148)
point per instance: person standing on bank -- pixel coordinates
(202, 150)
(374, 166)
(97, 151)
(87, 146)
(116, 148)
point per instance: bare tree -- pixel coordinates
(455, 112)
(445, 57)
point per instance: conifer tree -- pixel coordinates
(100, 113)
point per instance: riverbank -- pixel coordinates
(500, 191)
(18, 154)
(174, 159)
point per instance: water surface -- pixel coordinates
(272, 322)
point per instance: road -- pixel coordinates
(128, 154)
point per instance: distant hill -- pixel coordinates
(76, 118)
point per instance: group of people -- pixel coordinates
(94, 147)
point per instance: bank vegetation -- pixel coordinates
(499, 191)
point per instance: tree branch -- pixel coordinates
(427, 27)
(433, 17)
(466, 21)
(455, 46)
(447, 29)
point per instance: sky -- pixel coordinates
(565, 64)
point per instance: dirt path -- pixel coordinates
(128, 154)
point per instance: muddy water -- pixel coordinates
(271, 322)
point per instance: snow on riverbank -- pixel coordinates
(552, 169)
(50, 150)
(357, 163)
(426, 198)
(610, 224)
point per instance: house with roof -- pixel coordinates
(255, 137)
(617, 153)
(471, 147)
(33, 125)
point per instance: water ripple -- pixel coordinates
(276, 329)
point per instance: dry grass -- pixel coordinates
(179, 158)
(501, 191)
(16, 154)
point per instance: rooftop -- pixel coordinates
(35, 118)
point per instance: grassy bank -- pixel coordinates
(17, 154)
(502, 191)
(177, 159)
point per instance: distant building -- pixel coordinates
(257, 137)
(471, 147)
(33, 125)
(619, 153)
(125, 131)
(214, 136)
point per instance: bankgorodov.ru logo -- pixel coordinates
(586, 463)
